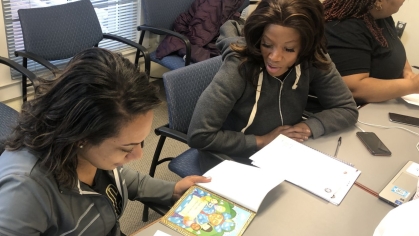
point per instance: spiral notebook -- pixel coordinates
(321, 174)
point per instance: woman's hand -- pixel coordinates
(304, 130)
(299, 132)
(413, 81)
(184, 184)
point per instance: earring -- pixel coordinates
(378, 7)
(81, 146)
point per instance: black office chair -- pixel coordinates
(9, 116)
(183, 88)
(60, 32)
(159, 16)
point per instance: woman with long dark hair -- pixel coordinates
(269, 67)
(62, 169)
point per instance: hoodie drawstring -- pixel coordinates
(259, 89)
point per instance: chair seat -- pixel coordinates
(172, 62)
(186, 163)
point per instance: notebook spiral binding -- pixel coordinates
(344, 162)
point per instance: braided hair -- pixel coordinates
(359, 9)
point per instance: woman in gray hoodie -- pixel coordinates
(61, 173)
(269, 67)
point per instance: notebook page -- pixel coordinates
(345, 187)
(243, 184)
(305, 167)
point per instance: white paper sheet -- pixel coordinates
(303, 166)
(412, 99)
(161, 233)
(243, 184)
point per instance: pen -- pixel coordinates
(337, 147)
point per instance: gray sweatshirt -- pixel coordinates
(224, 108)
(32, 203)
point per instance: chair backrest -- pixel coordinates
(183, 88)
(8, 119)
(59, 32)
(162, 13)
(244, 5)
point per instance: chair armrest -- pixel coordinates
(171, 133)
(18, 67)
(139, 47)
(38, 59)
(161, 31)
(219, 156)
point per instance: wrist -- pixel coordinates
(175, 194)
(259, 142)
(411, 85)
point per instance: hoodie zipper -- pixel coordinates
(280, 95)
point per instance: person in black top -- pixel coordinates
(363, 43)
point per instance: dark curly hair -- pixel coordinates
(305, 16)
(359, 9)
(97, 93)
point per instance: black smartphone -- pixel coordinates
(374, 145)
(403, 119)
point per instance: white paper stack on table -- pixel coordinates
(323, 175)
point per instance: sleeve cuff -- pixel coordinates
(159, 191)
(315, 126)
(251, 141)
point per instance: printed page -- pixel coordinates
(243, 184)
(307, 168)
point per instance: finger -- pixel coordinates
(284, 127)
(300, 129)
(299, 140)
(295, 130)
(199, 179)
(304, 132)
(296, 136)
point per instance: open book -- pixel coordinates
(226, 205)
(323, 175)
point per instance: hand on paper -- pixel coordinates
(299, 132)
(303, 129)
(184, 184)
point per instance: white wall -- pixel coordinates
(410, 38)
(8, 88)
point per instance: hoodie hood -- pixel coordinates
(230, 32)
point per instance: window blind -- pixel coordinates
(117, 17)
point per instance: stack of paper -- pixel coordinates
(310, 169)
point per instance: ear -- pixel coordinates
(81, 144)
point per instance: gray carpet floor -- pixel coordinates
(131, 220)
